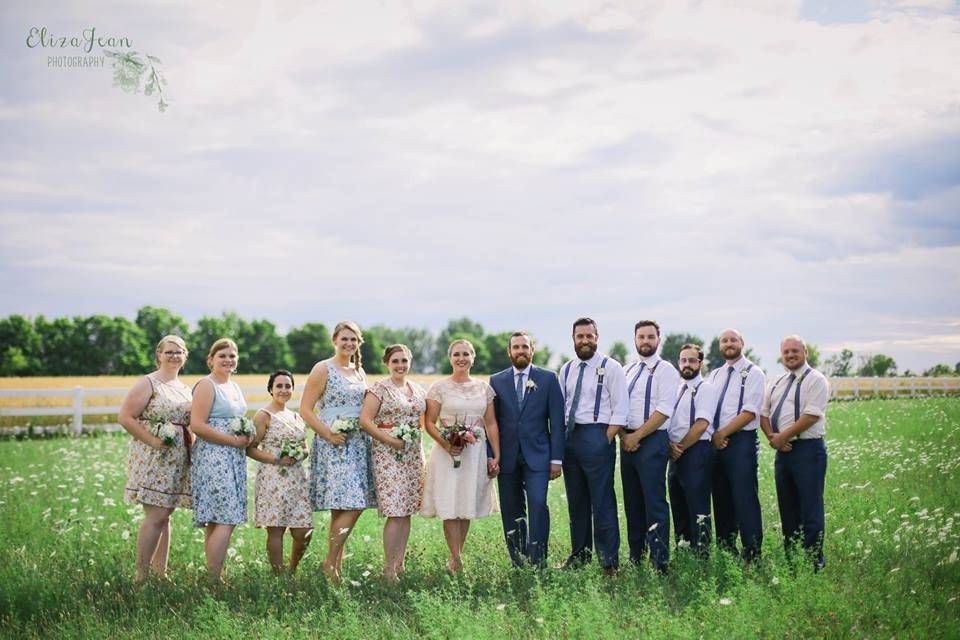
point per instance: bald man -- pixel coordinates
(794, 420)
(736, 417)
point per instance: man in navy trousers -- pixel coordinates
(529, 410)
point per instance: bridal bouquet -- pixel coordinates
(291, 448)
(345, 425)
(459, 435)
(407, 433)
(242, 426)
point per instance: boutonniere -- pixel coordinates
(531, 385)
(693, 392)
(600, 371)
(744, 373)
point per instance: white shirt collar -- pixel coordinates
(693, 382)
(525, 372)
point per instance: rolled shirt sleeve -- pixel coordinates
(814, 402)
(753, 392)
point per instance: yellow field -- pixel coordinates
(91, 383)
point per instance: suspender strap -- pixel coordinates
(743, 383)
(796, 397)
(596, 403)
(640, 367)
(693, 408)
(566, 372)
(646, 399)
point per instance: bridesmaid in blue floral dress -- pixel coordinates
(219, 470)
(341, 472)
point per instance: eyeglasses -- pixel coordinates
(174, 354)
(689, 360)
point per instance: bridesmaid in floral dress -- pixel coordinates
(282, 493)
(459, 494)
(158, 476)
(219, 471)
(341, 476)
(397, 465)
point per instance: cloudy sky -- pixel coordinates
(779, 167)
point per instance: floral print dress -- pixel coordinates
(341, 476)
(155, 477)
(398, 475)
(219, 471)
(282, 493)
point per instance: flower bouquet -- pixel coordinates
(407, 433)
(459, 435)
(165, 431)
(345, 425)
(242, 426)
(291, 448)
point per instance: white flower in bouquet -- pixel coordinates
(407, 433)
(168, 433)
(242, 426)
(291, 448)
(345, 425)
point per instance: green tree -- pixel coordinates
(111, 346)
(619, 352)
(422, 344)
(956, 369)
(309, 344)
(263, 349)
(209, 330)
(20, 347)
(460, 328)
(878, 365)
(156, 322)
(670, 347)
(939, 370)
(542, 355)
(372, 350)
(840, 364)
(60, 348)
(496, 345)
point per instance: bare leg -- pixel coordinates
(215, 542)
(156, 521)
(160, 556)
(451, 531)
(275, 548)
(301, 538)
(396, 532)
(341, 524)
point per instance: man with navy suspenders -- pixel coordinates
(595, 409)
(794, 421)
(736, 502)
(651, 392)
(692, 453)
(529, 410)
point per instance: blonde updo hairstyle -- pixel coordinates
(172, 339)
(392, 349)
(469, 344)
(220, 345)
(357, 358)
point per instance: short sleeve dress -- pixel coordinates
(219, 471)
(282, 494)
(464, 492)
(341, 476)
(162, 478)
(398, 475)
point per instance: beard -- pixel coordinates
(586, 351)
(688, 374)
(735, 355)
(520, 362)
(646, 350)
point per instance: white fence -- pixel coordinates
(76, 408)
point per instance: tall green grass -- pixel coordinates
(893, 537)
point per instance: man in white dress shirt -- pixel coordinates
(691, 452)
(736, 502)
(794, 421)
(595, 409)
(652, 392)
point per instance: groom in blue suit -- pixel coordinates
(529, 410)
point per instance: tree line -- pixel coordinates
(105, 345)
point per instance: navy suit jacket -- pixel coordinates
(534, 428)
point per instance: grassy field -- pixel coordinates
(893, 538)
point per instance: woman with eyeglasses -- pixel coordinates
(156, 412)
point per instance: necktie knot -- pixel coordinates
(583, 365)
(730, 369)
(793, 377)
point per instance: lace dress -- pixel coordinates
(282, 494)
(341, 476)
(399, 482)
(155, 477)
(466, 491)
(219, 471)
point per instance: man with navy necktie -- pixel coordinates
(595, 409)
(736, 501)
(794, 421)
(529, 410)
(651, 393)
(691, 452)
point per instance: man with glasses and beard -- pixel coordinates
(691, 452)
(736, 503)
(651, 393)
(794, 421)
(529, 410)
(595, 402)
